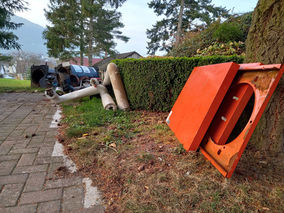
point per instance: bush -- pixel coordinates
(192, 41)
(155, 83)
(229, 48)
(228, 32)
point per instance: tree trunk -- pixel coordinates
(179, 28)
(81, 36)
(90, 48)
(265, 43)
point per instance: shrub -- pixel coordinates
(228, 32)
(192, 41)
(229, 48)
(155, 83)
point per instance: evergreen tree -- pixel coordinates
(179, 16)
(8, 40)
(103, 26)
(82, 27)
(64, 36)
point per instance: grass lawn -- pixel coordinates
(139, 166)
(13, 85)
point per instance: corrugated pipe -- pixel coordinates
(113, 77)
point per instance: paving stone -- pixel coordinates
(10, 194)
(26, 163)
(27, 159)
(45, 151)
(49, 143)
(22, 144)
(37, 139)
(4, 149)
(6, 167)
(94, 209)
(8, 142)
(20, 209)
(50, 207)
(10, 157)
(25, 150)
(62, 182)
(40, 196)
(21, 178)
(52, 169)
(35, 182)
(42, 160)
(72, 198)
(30, 169)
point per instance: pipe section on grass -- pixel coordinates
(107, 100)
(50, 94)
(113, 77)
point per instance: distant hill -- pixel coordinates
(30, 37)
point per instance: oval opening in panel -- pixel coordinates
(243, 120)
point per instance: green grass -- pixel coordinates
(13, 85)
(90, 113)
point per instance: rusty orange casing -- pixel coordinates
(200, 120)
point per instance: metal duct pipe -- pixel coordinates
(113, 77)
(50, 94)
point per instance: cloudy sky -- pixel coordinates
(136, 16)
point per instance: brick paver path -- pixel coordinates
(28, 182)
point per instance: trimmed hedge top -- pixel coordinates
(155, 83)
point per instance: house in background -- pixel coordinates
(8, 71)
(102, 65)
(76, 61)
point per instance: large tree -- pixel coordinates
(265, 44)
(82, 27)
(179, 16)
(8, 40)
(102, 27)
(65, 35)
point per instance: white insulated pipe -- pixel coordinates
(50, 94)
(95, 89)
(113, 77)
(107, 100)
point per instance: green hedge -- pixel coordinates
(155, 83)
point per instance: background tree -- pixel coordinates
(265, 44)
(179, 17)
(65, 35)
(103, 26)
(8, 40)
(82, 27)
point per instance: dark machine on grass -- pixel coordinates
(43, 76)
(65, 77)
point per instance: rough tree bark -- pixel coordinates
(265, 43)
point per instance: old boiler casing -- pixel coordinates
(211, 103)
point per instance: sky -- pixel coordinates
(136, 16)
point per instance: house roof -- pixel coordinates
(76, 61)
(117, 56)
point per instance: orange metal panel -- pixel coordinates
(197, 105)
(229, 112)
(199, 101)
(225, 157)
